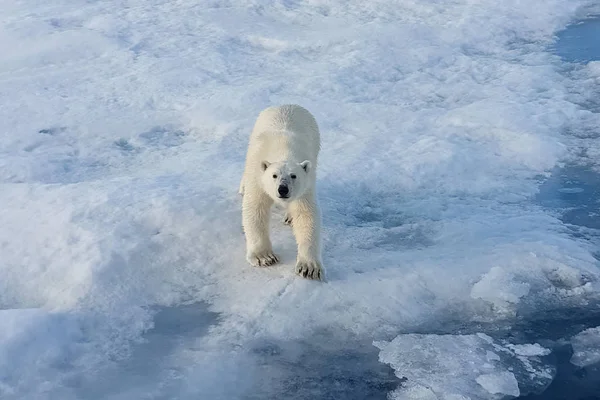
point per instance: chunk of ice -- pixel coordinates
(503, 382)
(464, 366)
(586, 347)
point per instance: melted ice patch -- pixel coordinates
(36, 348)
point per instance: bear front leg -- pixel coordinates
(306, 225)
(255, 219)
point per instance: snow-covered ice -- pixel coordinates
(123, 127)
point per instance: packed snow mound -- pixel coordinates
(476, 367)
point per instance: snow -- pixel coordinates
(123, 128)
(472, 366)
(586, 347)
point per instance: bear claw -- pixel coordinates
(263, 260)
(309, 270)
(288, 220)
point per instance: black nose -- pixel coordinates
(283, 190)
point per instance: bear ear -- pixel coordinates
(305, 165)
(265, 165)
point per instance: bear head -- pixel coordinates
(285, 181)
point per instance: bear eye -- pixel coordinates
(293, 176)
(274, 176)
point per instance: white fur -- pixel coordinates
(283, 150)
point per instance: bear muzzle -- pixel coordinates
(284, 191)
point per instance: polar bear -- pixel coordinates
(280, 169)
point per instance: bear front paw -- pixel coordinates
(309, 269)
(262, 259)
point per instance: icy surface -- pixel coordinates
(451, 366)
(123, 128)
(586, 347)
